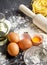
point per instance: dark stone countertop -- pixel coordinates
(12, 4)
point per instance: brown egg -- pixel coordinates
(13, 37)
(26, 35)
(13, 49)
(25, 44)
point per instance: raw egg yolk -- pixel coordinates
(36, 39)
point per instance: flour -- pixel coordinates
(35, 55)
(3, 60)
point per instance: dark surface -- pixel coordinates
(12, 4)
(9, 8)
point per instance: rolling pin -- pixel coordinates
(38, 19)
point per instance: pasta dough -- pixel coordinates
(40, 7)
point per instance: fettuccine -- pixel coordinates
(40, 7)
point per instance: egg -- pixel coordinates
(13, 49)
(25, 44)
(13, 37)
(26, 35)
(37, 40)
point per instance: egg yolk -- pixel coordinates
(36, 39)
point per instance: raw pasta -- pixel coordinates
(40, 7)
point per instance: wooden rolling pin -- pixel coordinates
(38, 19)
